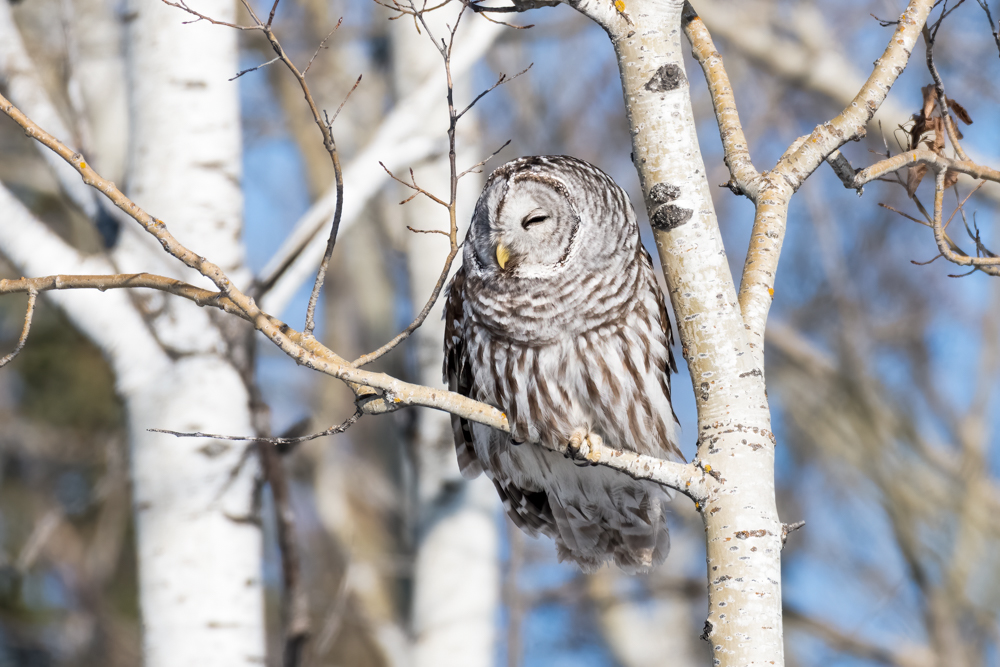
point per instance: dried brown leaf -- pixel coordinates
(950, 178)
(913, 177)
(936, 143)
(958, 132)
(960, 112)
(918, 128)
(930, 100)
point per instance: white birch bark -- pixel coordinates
(199, 566)
(734, 438)
(457, 577)
(199, 570)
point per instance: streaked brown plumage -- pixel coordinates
(556, 318)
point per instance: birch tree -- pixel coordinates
(722, 326)
(200, 577)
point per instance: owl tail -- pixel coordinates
(594, 514)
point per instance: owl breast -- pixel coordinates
(610, 379)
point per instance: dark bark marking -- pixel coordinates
(668, 77)
(669, 217)
(661, 193)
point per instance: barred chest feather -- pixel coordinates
(611, 380)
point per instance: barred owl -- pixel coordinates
(556, 319)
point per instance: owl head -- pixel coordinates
(544, 215)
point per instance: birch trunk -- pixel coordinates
(199, 564)
(200, 586)
(734, 437)
(457, 571)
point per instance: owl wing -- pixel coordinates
(458, 372)
(668, 331)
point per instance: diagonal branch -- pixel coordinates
(798, 163)
(802, 158)
(744, 177)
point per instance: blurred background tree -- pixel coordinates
(883, 372)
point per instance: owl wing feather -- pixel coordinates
(668, 331)
(458, 373)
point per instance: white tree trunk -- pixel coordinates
(199, 565)
(744, 625)
(457, 573)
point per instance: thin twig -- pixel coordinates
(180, 4)
(993, 24)
(270, 17)
(475, 168)
(329, 121)
(413, 186)
(988, 265)
(427, 231)
(333, 430)
(906, 215)
(942, 99)
(329, 144)
(419, 320)
(502, 79)
(322, 45)
(29, 313)
(445, 49)
(254, 69)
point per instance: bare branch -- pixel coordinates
(942, 165)
(325, 127)
(329, 121)
(942, 99)
(413, 186)
(905, 215)
(919, 156)
(419, 319)
(744, 177)
(274, 8)
(796, 165)
(481, 163)
(989, 265)
(801, 159)
(428, 231)
(254, 69)
(284, 444)
(180, 4)
(322, 45)
(198, 295)
(993, 24)
(500, 81)
(29, 313)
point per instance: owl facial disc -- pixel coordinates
(534, 224)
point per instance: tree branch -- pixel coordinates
(802, 158)
(29, 312)
(796, 165)
(744, 177)
(989, 265)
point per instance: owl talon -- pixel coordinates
(584, 447)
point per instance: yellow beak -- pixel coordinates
(502, 255)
